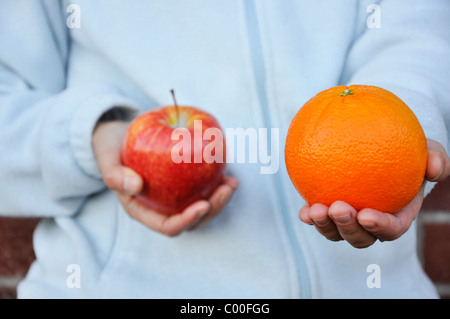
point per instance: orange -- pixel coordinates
(358, 144)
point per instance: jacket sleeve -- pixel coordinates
(408, 55)
(47, 166)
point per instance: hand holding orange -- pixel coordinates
(347, 154)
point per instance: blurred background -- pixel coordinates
(16, 250)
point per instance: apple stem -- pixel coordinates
(176, 106)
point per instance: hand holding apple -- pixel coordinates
(175, 173)
(107, 143)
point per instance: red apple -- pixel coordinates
(172, 148)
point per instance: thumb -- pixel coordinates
(106, 143)
(116, 176)
(438, 162)
(123, 180)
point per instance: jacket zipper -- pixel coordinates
(259, 73)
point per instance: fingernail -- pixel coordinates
(369, 225)
(367, 222)
(321, 222)
(203, 213)
(437, 162)
(198, 219)
(345, 219)
(203, 208)
(234, 183)
(130, 185)
(224, 198)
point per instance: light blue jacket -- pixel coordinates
(252, 64)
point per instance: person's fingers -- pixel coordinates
(303, 214)
(176, 224)
(106, 142)
(231, 181)
(116, 176)
(344, 217)
(382, 225)
(189, 218)
(386, 226)
(223, 194)
(218, 200)
(318, 214)
(169, 225)
(438, 162)
(123, 179)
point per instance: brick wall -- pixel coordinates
(16, 252)
(434, 237)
